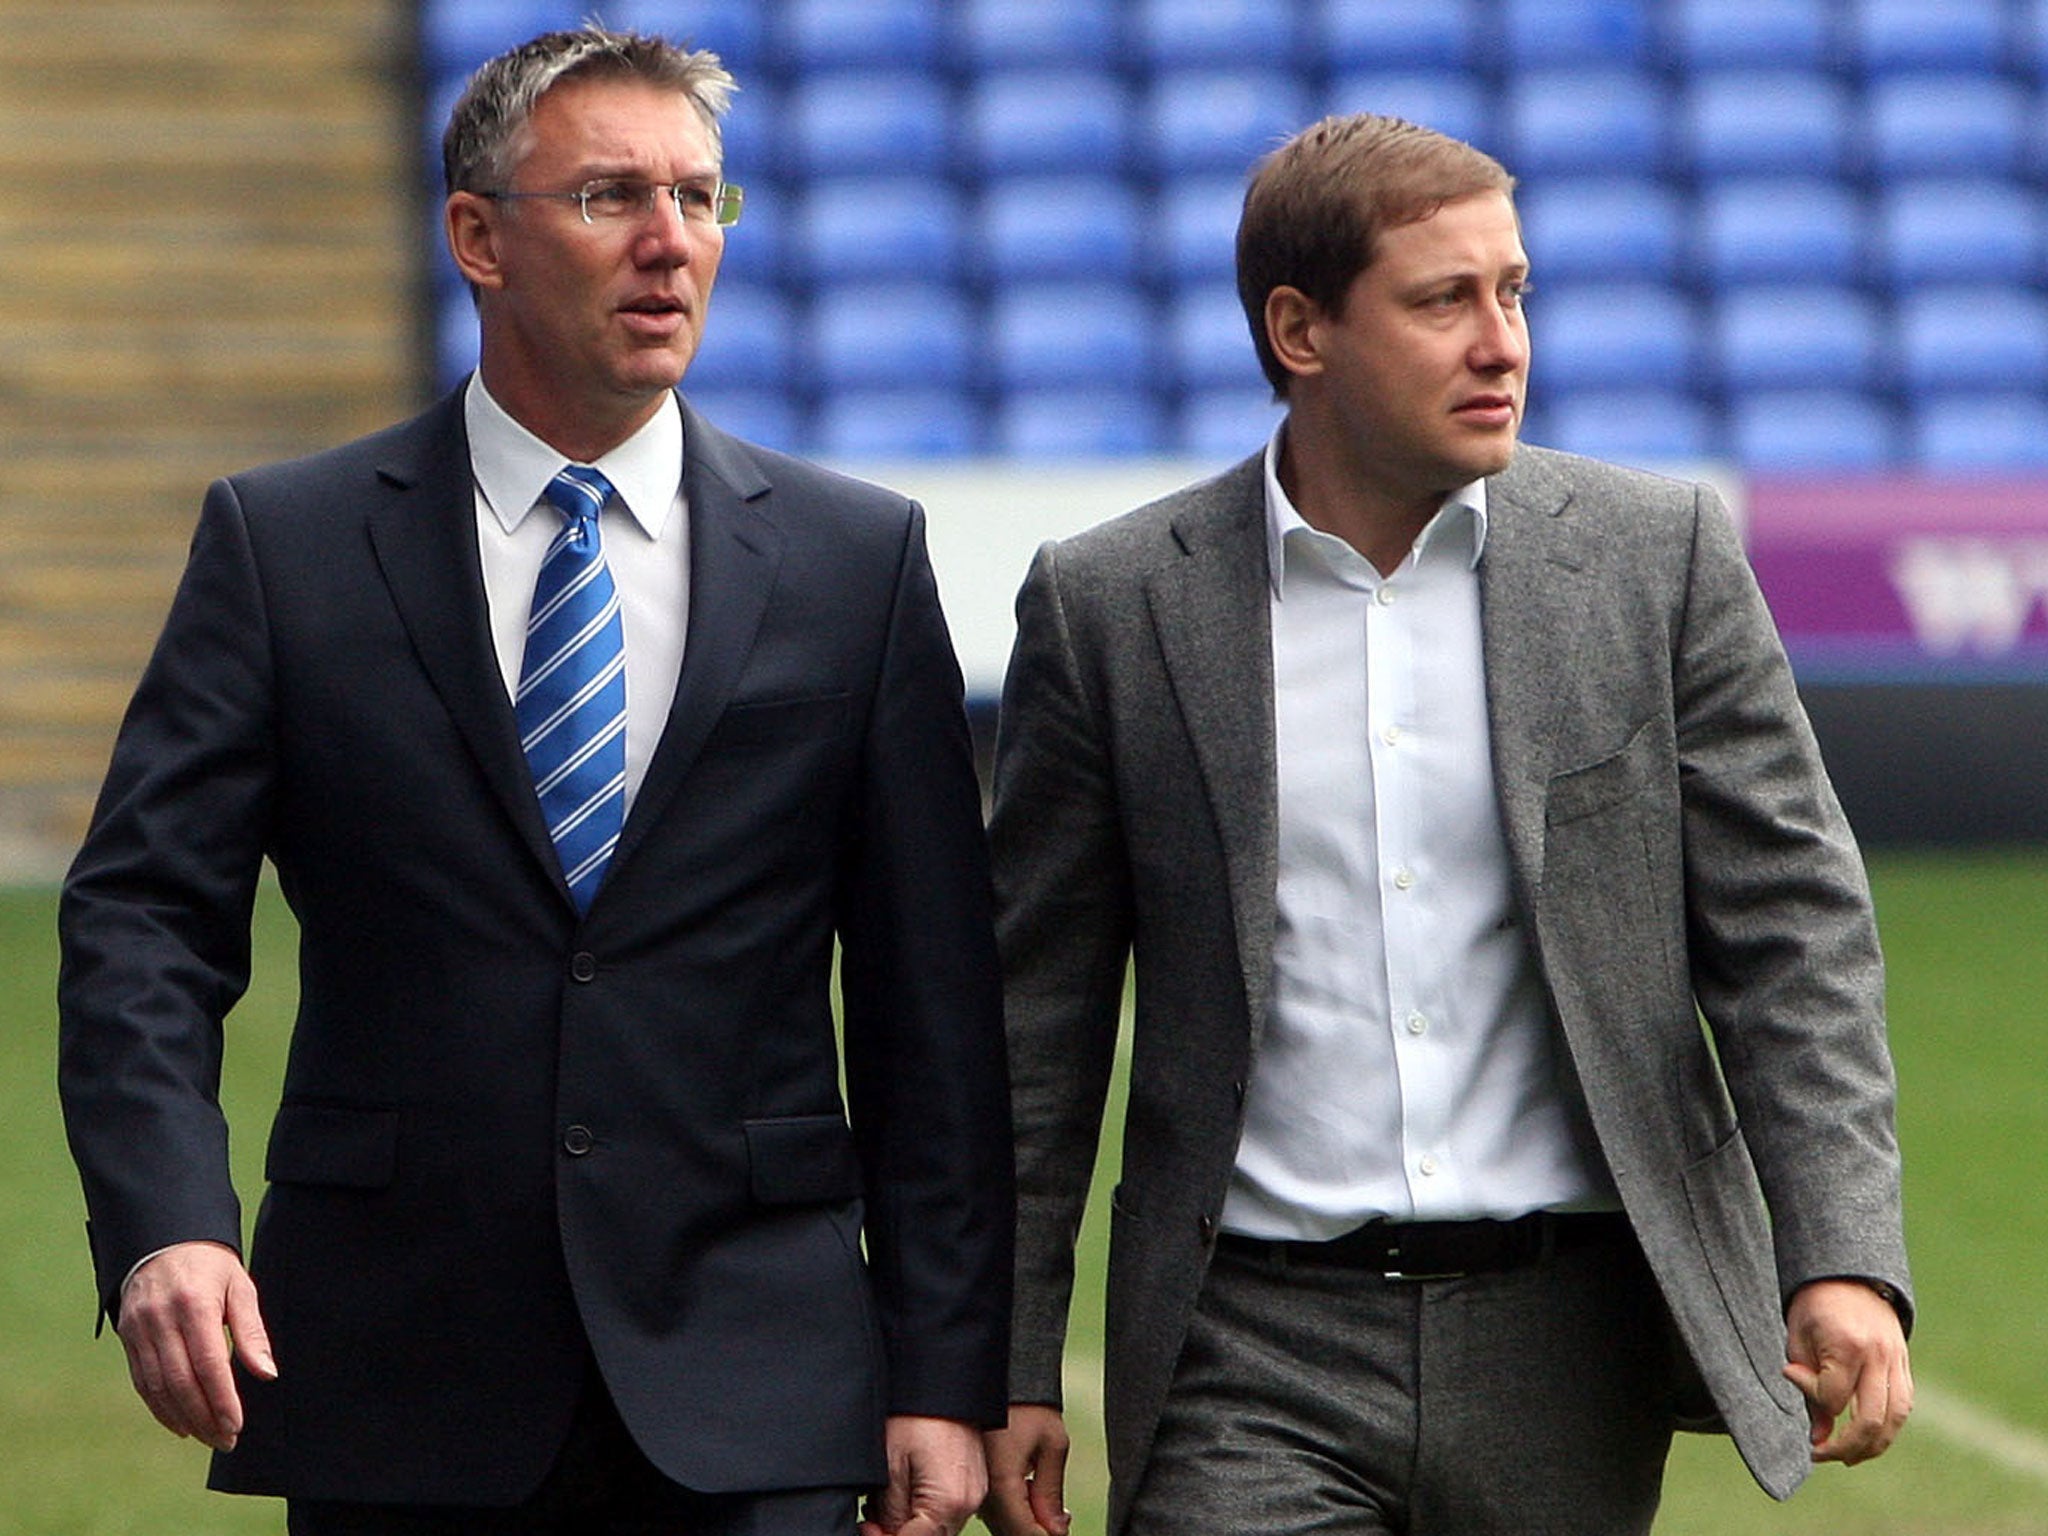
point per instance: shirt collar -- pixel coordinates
(513, 467)
(1463, 508)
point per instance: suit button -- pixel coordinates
(583, 966)
(577, 1140)
(1206, 1226)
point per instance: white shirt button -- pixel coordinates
(1391, 735)
(1428, 1166)
(1384, 596)
(1403, 879)
(1417, 1024)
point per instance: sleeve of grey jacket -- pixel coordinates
(1784, 947)
(1063, 923)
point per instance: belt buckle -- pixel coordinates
(1417, 1276)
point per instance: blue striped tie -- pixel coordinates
(571, 703)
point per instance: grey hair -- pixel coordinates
(481, 147)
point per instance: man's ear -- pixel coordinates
(1294, 330)
(471, 224)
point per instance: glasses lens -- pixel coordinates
(731, 198)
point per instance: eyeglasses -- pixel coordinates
(616, 199)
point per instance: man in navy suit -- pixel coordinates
(567, 1228)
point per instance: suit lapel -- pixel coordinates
(1530, 592)
(735, 550)
(1212, 615)
(423, 531)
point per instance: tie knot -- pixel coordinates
(579, 492)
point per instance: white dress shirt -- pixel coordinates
(1408, 1068)
(648, 551)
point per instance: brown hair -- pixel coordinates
(1317, 205)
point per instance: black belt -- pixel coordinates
(1440, 1250)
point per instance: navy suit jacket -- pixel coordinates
(507, 1130)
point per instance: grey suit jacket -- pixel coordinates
(1677, 853)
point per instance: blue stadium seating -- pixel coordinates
(1927, 34)
(876, 227)
(1347, 35)
(1541, 32)
(1032, 227)
(1805, 335)
(765, 416)
(750, 136)
(1958, 230)
(1813, 431)
(853, 121)
(1557, 121)
(898, 424)
(749, 339)
(735, 30)
(1594, 226)
(1208, 342)
(1225, 425)
(837, 34)
(1183, 34)
(1718, 34)
(1070, 333)
(1198, 121)
(1979, 430)
(1993, 336)
(1046, 120)
(1751, 122)
(757, 248)
(1954, 122)
(1004, 34)
(1609, 334)
(1079, 423)
(1649, 428)
(1780, 227)
(890, 334)
(1195, 229)
(454, 39)
(1448, 102)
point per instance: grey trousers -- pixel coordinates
(1534, 1402)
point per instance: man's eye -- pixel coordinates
(695, 199)
(617, 196)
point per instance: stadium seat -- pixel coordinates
(1780, 227)
(1558, 121)
(1719, 34)
(1797, 336)
(2030, 36)
(1606, 335)
(898, 424)
(1812, 431)
(1447, 101)
(1647, 428)
(735, 30)
(1959, 230)
(1602, 226)
(1543, 32)
(1917, 34)
(1208, 341)
(1046, 120)
(1218, 120)
(1958, 123)
(1753, 122)
(1079, 424)
(1059, 226)
(889, 335)
(750, 136)
(1005, 34)
(1204, 34)
(765, 416)
(853, 121)
(1225, 425)
(1345, 35)
(455, 39)
(867, 227)
(837, 34)
(749, 340)
(1980, 431)
(1990, 336)
(1060, 334)
(1195, 228)
(455, 341)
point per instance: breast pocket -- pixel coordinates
(1611, 781)
(779, 723)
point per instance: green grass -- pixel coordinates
(1967, 937)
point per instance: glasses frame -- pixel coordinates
(728, 198)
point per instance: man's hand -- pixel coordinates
(180, 1311)
(1027, 1470)
(937, 1479)
(1846, 1351)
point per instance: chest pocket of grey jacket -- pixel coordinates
(1611, 781)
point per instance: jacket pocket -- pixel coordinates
(1614, 780)
(801, 1160)
(770, 721)
(333, 1144)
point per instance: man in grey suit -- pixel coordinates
(1438, 787)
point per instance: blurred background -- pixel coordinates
(1796, 247)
